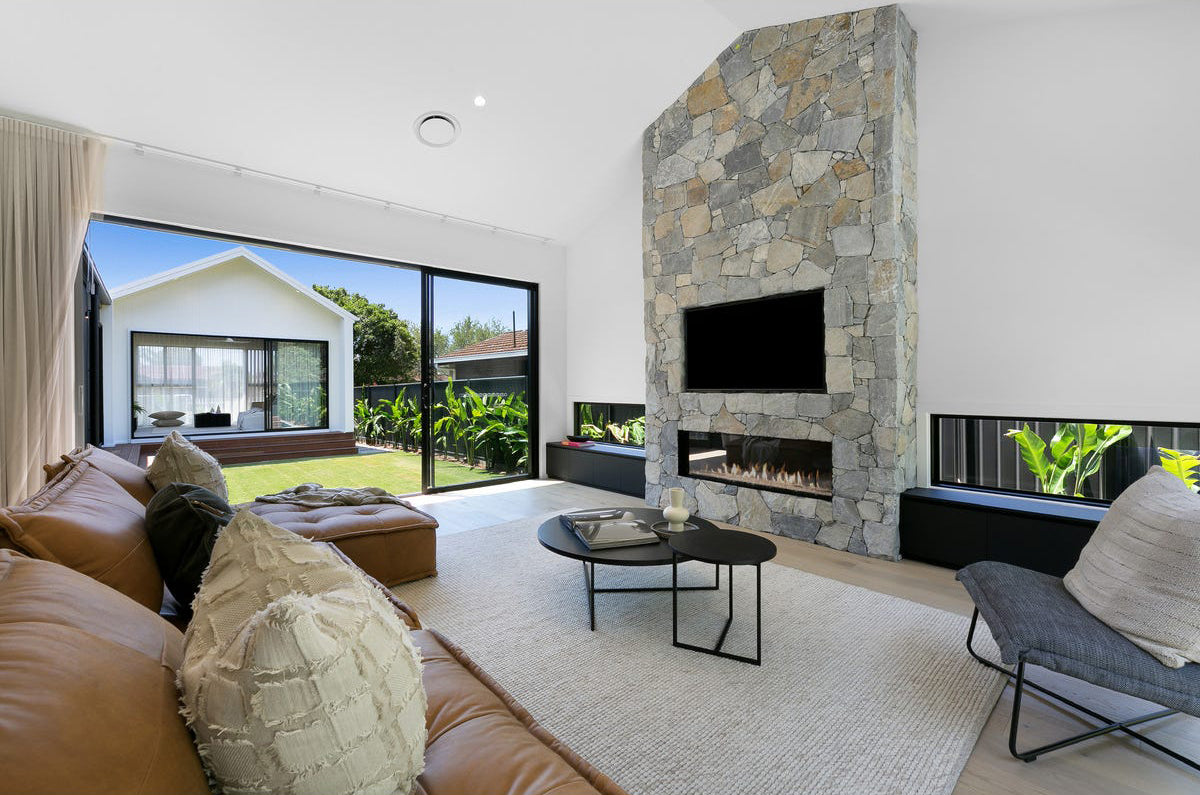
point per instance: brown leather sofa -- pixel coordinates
(88, 694)
(392, 543)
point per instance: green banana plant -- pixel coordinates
(1076, 450)
(1184, 466)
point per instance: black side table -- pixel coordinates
(721, 547)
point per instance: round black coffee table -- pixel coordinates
(723, 548)
(558, 539)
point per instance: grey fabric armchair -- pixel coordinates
(1035, 620)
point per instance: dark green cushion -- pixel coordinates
(183, 521)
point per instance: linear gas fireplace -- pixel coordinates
(792, 466)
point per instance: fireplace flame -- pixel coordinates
(812, 481)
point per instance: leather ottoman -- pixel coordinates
(392, 543)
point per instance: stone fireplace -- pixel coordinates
(789, 167)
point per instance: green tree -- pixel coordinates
(466, 332)
(386, 348)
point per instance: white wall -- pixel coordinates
(224, 300)
(178, 192)
(1058, 213)
(606, 338)
(1058, 176)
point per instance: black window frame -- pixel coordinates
(270, 389)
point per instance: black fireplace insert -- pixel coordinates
(791, 466)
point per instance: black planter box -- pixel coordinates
(954, 527)
(212, 419)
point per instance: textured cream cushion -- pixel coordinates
(298, 675)
(180, 461)
(166, 415)
(1140, 572)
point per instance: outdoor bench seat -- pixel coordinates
(392, 543)
(1034, 619)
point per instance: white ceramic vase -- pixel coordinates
(675, 513)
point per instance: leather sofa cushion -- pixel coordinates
(481, 740)
(392, 543)
(88, 698)
(131, 476)
(84, 520)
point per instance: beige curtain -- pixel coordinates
(49, 184)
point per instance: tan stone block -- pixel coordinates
(664, 304)
(724, 118)
(881, 94)
(780, 165)
(707, 96)
(805, 93)
(663, 225)
(683, 279)
(697, 191)
(845, 169)
(775, 197)
(850, 100)
(752, 131)
(844, 213)
(675, 197)
(766, 41)
(789, 63)
(861, 187)
(688, 295)
(710, 170)
(696, 220)
(783, 254)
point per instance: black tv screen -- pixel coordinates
(772, 344)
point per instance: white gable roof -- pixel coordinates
(217, 259)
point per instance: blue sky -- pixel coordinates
(127, 253)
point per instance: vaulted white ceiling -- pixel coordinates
(327, 92)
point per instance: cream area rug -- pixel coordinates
(858, 693)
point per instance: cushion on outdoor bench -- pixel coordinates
(1032, 615)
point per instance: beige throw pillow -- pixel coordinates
(180, 461)
(1140, 572)
(298, 675)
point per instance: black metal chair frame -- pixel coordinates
(1109, 725)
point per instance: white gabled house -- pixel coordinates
(230, 338)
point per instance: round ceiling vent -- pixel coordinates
(436, 128)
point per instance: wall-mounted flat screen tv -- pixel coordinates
(774, 344)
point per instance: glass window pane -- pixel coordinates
(301, 385)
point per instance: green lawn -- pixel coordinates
(399, 473)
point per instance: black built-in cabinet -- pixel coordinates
(954, 527)
(604, 466)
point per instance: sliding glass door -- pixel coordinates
(478, 380)
(434, 372)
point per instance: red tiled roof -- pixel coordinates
(501, 343)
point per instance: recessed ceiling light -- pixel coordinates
(436, 128)
(480, 101)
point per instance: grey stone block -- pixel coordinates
(813, 405)
(841, 135)
(802, 528)
(742, 158)
(672, 170)
(852, 241)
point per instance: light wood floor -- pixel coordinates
(1111, 764)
